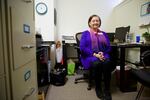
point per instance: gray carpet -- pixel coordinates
(71, 91)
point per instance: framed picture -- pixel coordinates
(145, 9)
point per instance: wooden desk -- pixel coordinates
(122, 47)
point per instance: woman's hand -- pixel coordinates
(96, 55)
(102, 58)
(99, 55)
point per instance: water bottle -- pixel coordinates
(127, 37)
(49, 69)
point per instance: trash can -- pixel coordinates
(130, 84)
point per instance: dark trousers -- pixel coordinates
(102, 71)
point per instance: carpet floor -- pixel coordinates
(71, 91)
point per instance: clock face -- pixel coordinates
(41, 8)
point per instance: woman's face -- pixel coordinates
(94, 23)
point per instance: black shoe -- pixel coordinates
(107, 96)
(99, 93)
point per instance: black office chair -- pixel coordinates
(86, 72)
(142, 75)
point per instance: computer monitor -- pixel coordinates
(120, 33)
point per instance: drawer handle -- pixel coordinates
(27, 46)
(31, 91)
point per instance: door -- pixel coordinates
(21, 36)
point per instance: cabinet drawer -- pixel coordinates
(2, 88)
(22, 29)
(24, 82)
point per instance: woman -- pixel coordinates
(95, 48)
(59, 55)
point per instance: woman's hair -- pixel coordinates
(58, 44)
(90, 18)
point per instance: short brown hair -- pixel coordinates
(90, 18)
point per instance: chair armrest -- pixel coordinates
(76, 47)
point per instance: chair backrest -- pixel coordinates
(78, 37)
(145, 56)
(111, 36)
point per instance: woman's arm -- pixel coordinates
(85, 45)
(108, 47)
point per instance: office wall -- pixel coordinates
(72, 15)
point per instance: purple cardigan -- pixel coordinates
(87, 52)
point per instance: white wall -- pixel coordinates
(72, 15)
(45, 23)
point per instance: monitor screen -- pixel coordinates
(120, 33)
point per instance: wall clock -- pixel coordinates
(41, 8)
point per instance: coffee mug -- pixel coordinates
(137, 39)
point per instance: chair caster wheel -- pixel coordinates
(75, 82)
(88, 88)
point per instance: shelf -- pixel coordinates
(146, 25)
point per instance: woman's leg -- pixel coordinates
(107, 68)
(97, 73)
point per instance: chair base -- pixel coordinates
(139, 93)
(81, 79)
